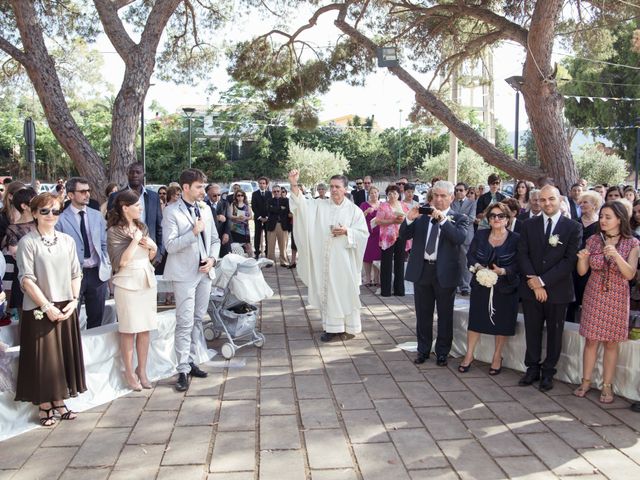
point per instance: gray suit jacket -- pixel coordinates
(183, 259)
(97, 232)
(468, 208)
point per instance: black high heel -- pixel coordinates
(67, 415)
(464, 368)
(496, 371)
(49, 420)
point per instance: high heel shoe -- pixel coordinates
(496, 371)
(465, 368)
(146, 385)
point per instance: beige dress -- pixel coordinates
(136, 294)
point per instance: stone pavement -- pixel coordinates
(299, 409)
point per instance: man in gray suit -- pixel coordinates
(467, 207)
(193, 246)
(89, 230)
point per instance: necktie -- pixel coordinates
(433, 236)
(547, 232)
(460, 203)
(85, 238)
(201, 246)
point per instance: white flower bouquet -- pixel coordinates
(487, 278)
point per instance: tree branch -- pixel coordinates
(118, 4)
(113, 27)
(13, 51)
(156, 22)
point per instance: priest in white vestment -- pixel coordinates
(331, 237)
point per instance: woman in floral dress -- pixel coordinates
(612, 256)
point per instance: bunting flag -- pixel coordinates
(578, 98)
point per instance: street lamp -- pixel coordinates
(142, 148)
(189, 112)
(399, 140)
(516, 83)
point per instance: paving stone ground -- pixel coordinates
(302, 410)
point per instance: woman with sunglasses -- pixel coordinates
(162, 193)
(493, 311)
(239, 214)
(51, 366)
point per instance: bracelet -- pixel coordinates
(46, 307)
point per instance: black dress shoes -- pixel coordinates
(441, 361)
(546, 384)
(635, 407)
(529, 377)
(421, 358)
(182, 385)
(329, 337)
(196, 372)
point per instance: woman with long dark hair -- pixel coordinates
(521, 194)
(612, 256)
(131, 251)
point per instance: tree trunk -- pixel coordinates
(543, 102)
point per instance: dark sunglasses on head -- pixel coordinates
(47, 211)
(500, 216)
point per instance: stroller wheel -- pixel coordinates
(211, 333)
(228, 351)
(260, 339)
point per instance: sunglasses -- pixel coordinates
(88, 190)
(400, 184)
(358, 183)
(500, 216)
(47, 211)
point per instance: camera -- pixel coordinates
(425, 210)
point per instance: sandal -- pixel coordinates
(464, 368)
(49, 420)
(67, 414)
(606, 396)
(496, 371)
(583, 389)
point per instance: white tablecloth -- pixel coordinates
(103, 369)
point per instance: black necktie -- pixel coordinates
(433, 236)
(547, 232)
(85, 238)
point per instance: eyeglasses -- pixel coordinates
(88, 190)
(358, 183)
(47, 211)
(214, 195)
(499, 216)
(367, 183)
(400, 184)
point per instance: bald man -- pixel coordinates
(547, 255)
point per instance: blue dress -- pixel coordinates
(505, 292)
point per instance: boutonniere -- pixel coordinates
(554, 240)
(450, 218)
(38, 314)
(201, 204)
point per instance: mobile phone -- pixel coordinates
(203, 263)
(425, 210)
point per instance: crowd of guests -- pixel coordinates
(558, 258)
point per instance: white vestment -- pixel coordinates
(330, 266)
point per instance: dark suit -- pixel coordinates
(517, 226)
(485, 200)
(278, 226)
(435, 283)
(554, 265)
(574, 209)
(259, 205)
(526, 216)
(359, 197)
(222, 227)
(152, 216)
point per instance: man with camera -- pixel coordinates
(438, 234)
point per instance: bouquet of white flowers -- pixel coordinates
(487, 278)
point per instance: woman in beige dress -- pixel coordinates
(131, 251)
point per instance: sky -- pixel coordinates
(383, 95)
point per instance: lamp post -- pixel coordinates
(142, 147)
(516, 82)
(399, 140)
(189, 111)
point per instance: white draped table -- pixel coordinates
(103, 370)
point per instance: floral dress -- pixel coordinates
(605, 306)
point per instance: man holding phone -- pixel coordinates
(438, 233)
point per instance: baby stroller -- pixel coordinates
(239, 284)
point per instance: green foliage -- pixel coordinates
(472, 169)
(316, 165)
(530, 156)
(598, 167)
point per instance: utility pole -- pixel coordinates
(453, 140)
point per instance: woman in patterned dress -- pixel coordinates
(612, 256)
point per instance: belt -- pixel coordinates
(90, 268)
(430, 262)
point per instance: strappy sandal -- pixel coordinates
(67, 415)
(49, 420)
(583, 389)
(606, 396)
(464, 368)
(496, 371)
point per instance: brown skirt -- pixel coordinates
(51, 366)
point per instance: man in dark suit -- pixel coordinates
(259, 200)
(574, 198)
(434, 268)
(534, 206)
(219, 211)
(89, 230)
(359, 194)
(150, 203)
(547, 255)
(464, 206)
(278, 226)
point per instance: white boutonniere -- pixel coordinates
(38, 315)
(202, 205)
(450, 218)
(554, 240)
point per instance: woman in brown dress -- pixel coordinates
(51, 365)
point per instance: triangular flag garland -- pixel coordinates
(604, 99)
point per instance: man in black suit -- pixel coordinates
(359, 195)
(574, 198)
(547, 255)
(219, 211)
(150, 203)
(259, 200)
(278, 226)
(534, 206)
(434, 268)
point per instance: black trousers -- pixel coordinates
(536, 315)
(261, 228)
(429, 294)
(93, 292)
(392, 261)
